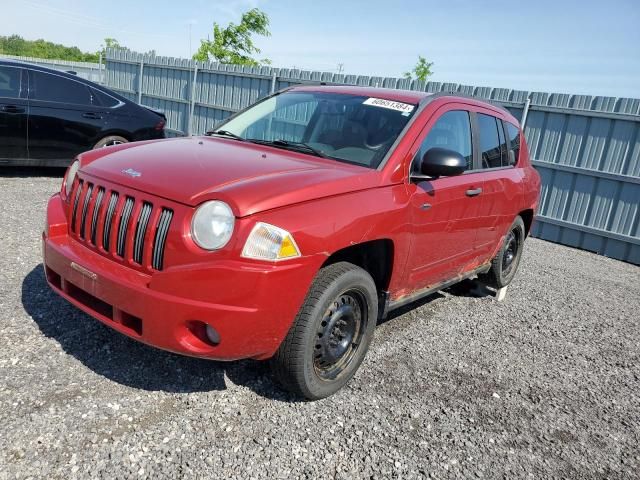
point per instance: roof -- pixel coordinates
(405, 96)
(61, 73)
(34, 66)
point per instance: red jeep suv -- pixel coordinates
(288, 231)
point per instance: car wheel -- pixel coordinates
(330, 335)
(505, 264)
(110, 140)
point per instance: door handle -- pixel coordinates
(92, 116)
(474, 192)
(12, 109)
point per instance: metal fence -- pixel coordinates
(586, 148)
(90, 71)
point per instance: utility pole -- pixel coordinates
(190, 39)
(340, 68)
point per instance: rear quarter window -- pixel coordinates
(513, 133)
(493, 149)
(102, 99)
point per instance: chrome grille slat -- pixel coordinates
(141, 230)
(124, 225)
(96, 211)
(75, 205)
(108, 220)
(85, 209)
(161, 238)
(155, 260)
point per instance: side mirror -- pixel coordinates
(438, 162)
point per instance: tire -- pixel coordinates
(309, 362)
(506, 262)
(110, 140)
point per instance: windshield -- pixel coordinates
(348, 128)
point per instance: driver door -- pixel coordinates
(445, 211)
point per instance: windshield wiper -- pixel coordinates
(225, 133)
(300, 146)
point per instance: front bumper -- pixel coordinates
(252, 304)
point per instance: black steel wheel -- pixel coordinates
(505, 264)
(339, 334)
(511, 248)
(331, 334)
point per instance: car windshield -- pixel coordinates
(348, 128)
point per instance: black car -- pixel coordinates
(47, 117)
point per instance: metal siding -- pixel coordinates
(586, 148)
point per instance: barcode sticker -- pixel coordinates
(390, 104)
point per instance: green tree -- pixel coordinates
(110, 43)
(16, 45)
(422, 70)
(233, 43)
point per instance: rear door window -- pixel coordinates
(54, 88)
(493, 149)
(10, 82)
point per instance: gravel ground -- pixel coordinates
(545, 384)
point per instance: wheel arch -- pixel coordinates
(527, 218)
(374, 256)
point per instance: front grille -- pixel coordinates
(140, 230)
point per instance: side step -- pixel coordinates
(391, 305)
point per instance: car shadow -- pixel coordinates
(128, 362)
(398, 312)
(471, 288)
(9, 171)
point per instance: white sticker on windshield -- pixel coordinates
(390, 104)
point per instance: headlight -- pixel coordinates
(212, 225)
(267, 242)
(71, 175)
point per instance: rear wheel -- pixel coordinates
(506, 262)
(331, 334)
(110, 140)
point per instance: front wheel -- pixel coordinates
(505, 264)
(330, 335)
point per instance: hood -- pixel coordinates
(249, 177)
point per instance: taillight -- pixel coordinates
(160, 125)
